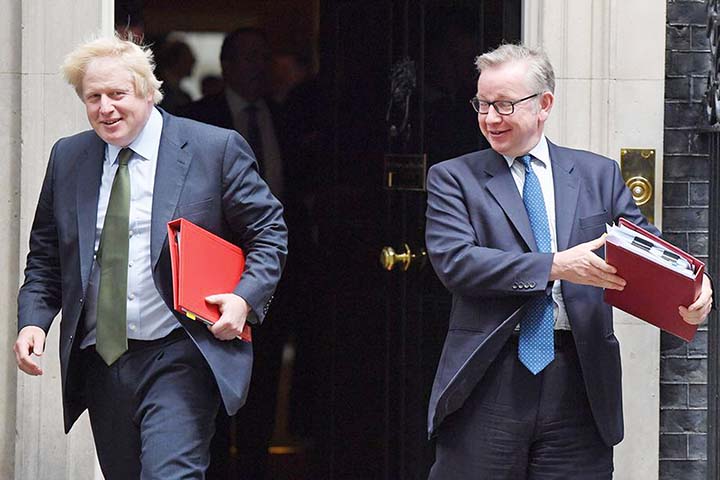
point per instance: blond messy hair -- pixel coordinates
(136, 58)
(542, 76)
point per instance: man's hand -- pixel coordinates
(580, 265)
(234, 311)
(699, 310)
(30, 340)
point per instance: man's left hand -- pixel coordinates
(699, 310)
(233, 314)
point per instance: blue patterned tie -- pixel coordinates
(536, 349)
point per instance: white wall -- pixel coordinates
(609, 59)
(9, 213)
(36, 108)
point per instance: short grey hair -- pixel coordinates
(542, 76)
(136, 58)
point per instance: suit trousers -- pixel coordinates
(516, 425)
(152, 412)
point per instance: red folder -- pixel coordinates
(654, 292)
(202, 264)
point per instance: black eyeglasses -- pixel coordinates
(502, 107)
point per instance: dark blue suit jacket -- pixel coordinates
(482, 247)
(205, 174)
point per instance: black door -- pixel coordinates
(398, 75)
(392, 98)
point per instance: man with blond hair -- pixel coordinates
(529, 382)
(152, 379)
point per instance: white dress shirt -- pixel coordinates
(542, 167)
(272, 161)
(148, 317)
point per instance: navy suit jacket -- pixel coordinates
(482, 248)
(213, 109)
(205, 174)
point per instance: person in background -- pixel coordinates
(175, 61)
(246, 106)
(211, 85)
(288, 71)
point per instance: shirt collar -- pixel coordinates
(146, 144)
(539, 151)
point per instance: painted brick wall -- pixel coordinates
(683, 367)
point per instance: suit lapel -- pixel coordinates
(172, 167)
(88, 178)
(503, 187)
(566, 193)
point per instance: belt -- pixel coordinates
(173, 336)
(563, 339)
(90, 356)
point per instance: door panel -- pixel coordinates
(355, 54)
(387, 327)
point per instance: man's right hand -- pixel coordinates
(581, 265)
(30, 340)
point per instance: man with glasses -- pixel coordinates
(529, 383)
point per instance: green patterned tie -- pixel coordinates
(111, 328)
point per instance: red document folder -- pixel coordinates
(653, 292)
(202, 264)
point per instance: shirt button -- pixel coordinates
(132, 327)
(130, 233)
(131, 296)
(130, 264)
